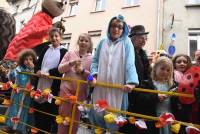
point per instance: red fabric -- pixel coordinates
(30, 35)
(188, 84)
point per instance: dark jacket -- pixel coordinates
(53, 72)
(139, 102)
(144, 103)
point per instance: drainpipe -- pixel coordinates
(158, 25)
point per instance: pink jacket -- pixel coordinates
(69, 88)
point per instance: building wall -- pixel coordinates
(22, 10)
(185, 17)
(87, 20)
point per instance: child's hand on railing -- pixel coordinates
(42, 75)
(128, 87)
(162, 97)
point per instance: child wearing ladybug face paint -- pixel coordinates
(181, 64)
(26, 61)
(183, 111)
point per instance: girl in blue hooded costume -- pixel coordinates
(26, 62)
(113, 62)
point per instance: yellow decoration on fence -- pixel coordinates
(98, 131)
(110, 118)
(176, 127)
(58, 102)
(46, 92)
(34, 130)
(6, 102)
(59, 119)
(2, 119)
(132, 120)
(14, 86)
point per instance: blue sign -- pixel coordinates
(171, 50)
(173, 37)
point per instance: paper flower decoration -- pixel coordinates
(37, 94)
(34, 130)
(165, 119)
(98, 131)
(175, 128)
(158, 124)
(46, 92)
(120, 121)
(192, 130)
(32, 94)
(58, 102)
(59, 119)
(14, 86)
(16, 90)
(2, 119)
(71, 98)
(141, 124)
(131, 120)
(6, 102)
(31, 110)
(102, 103)
(81, 108)
(50, 97)
(110, 118)
(66, 121)
(29, 87)
(6, 85)
(15, 120)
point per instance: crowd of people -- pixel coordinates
(119, 59)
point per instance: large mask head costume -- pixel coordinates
(36, 29)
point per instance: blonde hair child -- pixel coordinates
(162, 76)
(75, 64)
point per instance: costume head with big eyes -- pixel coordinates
(35, 31)
(53, 8)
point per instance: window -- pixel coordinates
(193, 42)
(100, 5)
(66, 40)
(193, 1)
(95, 35)
(131, 2)
(73, 9)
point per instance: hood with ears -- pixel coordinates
(125, 27)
